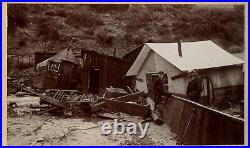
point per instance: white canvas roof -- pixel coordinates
(195, 55)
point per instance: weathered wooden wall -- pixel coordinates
(206, 127)
(112, 70)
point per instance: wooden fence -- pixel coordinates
(207, 127)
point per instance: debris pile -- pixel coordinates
(115, 100)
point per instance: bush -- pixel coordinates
(47, 29)
(60, 13)
(84, 20)
(138, 21)
(22, 43)
(109, 7)
(105, 37)
(17, 17)
(50, 13)
(155, 7)
(163, 29)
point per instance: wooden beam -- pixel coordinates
(130, 90)
(130, 97)
(128, 108)
(48, 99)
(183, 74)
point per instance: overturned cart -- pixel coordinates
(73, 102)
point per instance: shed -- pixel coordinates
(220, 69)
(60, 71)
(100, 71)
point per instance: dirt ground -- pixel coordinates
(27, 127)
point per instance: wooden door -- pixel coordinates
(65, 71)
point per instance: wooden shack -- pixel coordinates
(60, 71)
(100, 71)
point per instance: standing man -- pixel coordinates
(194, 87)
(158, 89)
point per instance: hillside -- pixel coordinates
(105, 28)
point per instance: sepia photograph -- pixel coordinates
(118, 74)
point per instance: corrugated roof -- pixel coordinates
(65, 54)
(195, 55)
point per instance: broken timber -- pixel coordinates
(125, 98)
(130, 90)
(128, 108)
(48, 99)
(154, 113)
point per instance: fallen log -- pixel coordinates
(48, 99)
(154, 113)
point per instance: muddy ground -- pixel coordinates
(27, 127)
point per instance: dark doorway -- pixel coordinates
(94, 80)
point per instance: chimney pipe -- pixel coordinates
(179, 48)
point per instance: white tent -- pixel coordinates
(200, 55)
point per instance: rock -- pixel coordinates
(40, 140)
(20, 94)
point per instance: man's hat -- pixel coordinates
(195, 71)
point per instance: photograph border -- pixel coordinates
(4, 49)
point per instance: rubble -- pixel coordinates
(73, 103)
(114, 92)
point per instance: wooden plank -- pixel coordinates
(48, 99)
(130, 97)
(128, 108)
(183, 74)
(130, 90)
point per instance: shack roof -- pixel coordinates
(195, 55)
(65, 54)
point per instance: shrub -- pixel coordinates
(155, 7)
(22, 42)
(17, 17)
(163, 29)
(105, 37)
(138, 21)
(50, 13)
(61, 13)
(84, 20)
(47, 29)
(109, 7)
